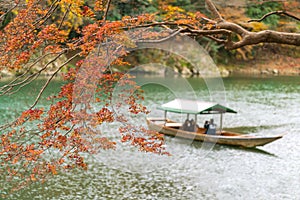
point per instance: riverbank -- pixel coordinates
(271, 60)
(268, 60)
(289, 67)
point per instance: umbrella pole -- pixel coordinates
(221, 123)
(165, 117)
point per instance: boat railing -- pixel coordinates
(157, 119)
(173, 124)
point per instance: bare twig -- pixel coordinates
(49, 80)
(13, 7)
(280, 12)
(163, 24)
(7, 88)
(212, 8)
(106, 10)
(64, 17)
(265, 1)
(46, 16)
(25, 73)
(208, 32)
(205, 33)
(220, 41)
(162, 39)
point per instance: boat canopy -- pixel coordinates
(186, 106)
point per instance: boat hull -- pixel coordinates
(226, 138)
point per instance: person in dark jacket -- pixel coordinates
(206, 126)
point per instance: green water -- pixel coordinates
(12, 105)
(265, 105)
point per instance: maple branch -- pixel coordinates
(64, 17)
(164, 23)
(6, 89)
(48, 14)
(9, 10)
(10, 84)
(280, 12)
(106, 10)
(162, 39)
(33, 133)
(49, 80)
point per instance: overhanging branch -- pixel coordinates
(280, 12)
(267, 36)
(212, 8)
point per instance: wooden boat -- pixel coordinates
(172, 128)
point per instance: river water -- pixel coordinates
(265, 106)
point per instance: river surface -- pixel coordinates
(265, 106)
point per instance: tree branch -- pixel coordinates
(267, 36)
(208, 32)
(220, 41)
(162, 39)
(46, 16)
(232, 27)
(64, 17)
(191, 31)
(106, 10)
(3, 15)
(212, 8)
(226, 28)
(49, 80)
(251, 38)
(7, 89)
(280, 12)
(163, 24)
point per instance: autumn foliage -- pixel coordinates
(43, 141)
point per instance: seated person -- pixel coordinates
(206, 125)
(212, 128)
(189, 125)
(194, 126)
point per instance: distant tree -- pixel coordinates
(43, 31)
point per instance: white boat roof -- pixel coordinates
(194, 107)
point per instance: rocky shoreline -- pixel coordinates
(264, 64)
(224, 71)
(270, 60)
(254, 70)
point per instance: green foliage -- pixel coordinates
(190, 5)
(256, 11)
(7, 18)
(132, 8)
(181, 3)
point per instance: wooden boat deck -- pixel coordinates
(171, 128)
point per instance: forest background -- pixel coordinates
(254, 59)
